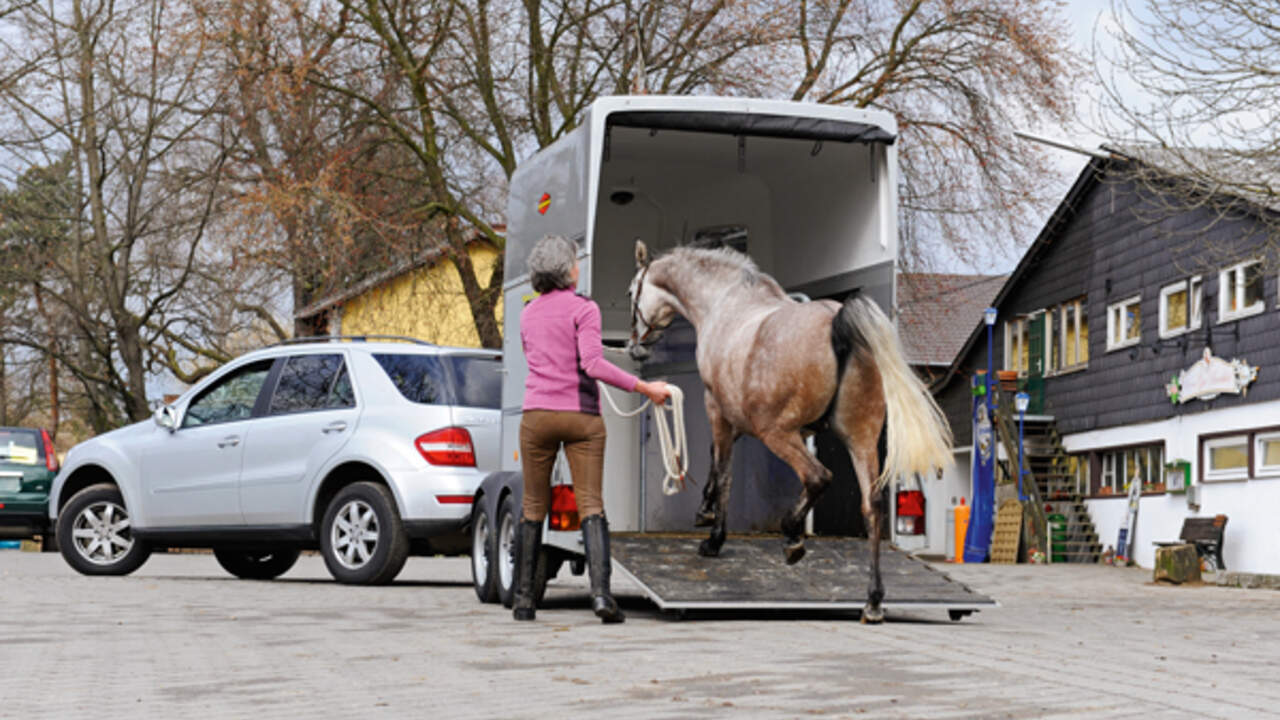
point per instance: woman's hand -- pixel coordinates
(657, 391)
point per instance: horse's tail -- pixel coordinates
(918, 436)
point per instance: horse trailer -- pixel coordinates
(809, 192)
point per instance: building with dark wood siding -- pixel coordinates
(1124, 289)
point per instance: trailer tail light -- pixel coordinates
(564, 509)
(450, 446)
(50, 457)
(910, 512)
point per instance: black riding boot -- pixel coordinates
(528, 540)
(595, 536)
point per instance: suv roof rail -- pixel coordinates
(350, 338)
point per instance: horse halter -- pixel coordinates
(636, 315)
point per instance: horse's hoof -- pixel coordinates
(704, 519)
(793, 553)
(708, 549)
(872, 616)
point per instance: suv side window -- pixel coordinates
(419, 378)
(231, 398)
(312, 382)
(477, 381)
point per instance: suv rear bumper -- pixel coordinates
(436, 498)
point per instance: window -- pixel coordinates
(1078, 467)
(230, 398)
(1267, 454)
(419, 378)
(1122, 466)
(1124, 323)
(312, 382)
(477, 381)
(1016, 356)
(1180, 307)
(20, 447)
(1226, 458)
(1240, 291)
(1067, 327)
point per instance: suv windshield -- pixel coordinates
(20, 447)
(446, 379)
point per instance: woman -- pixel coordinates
(560, 332)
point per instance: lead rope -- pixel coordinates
(672, 440)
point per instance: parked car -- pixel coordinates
(368, 451)
(28, 465)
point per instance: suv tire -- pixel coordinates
(261, 563)
(362, 538)
(94, 534)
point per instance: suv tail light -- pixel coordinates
(450, 446)
(564, 509)
(50, 457)
(910, 512)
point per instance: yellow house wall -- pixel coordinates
(427, 303)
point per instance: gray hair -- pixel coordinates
(550, 263)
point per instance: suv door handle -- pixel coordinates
(229, 441)
(334, 427)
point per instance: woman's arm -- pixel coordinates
(591, 355)
(591, 351)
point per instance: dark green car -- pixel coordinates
(28, 465)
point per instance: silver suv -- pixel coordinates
(366, 450)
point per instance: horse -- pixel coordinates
(780, 370)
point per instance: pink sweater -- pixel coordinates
(560, 332)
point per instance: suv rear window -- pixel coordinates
(20, 447)
(446, 380)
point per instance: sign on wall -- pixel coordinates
(1209, 377)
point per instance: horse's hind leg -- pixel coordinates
(814, 478)
(715, 498)
(863, 449)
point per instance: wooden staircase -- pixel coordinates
(1059, 518)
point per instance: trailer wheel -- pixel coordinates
(484, 570)
(504, 552)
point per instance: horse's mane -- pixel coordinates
(715, 258)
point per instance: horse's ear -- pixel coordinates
(642, 254)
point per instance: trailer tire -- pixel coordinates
(504, 552)
(484, 570)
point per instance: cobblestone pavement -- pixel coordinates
(181, 639)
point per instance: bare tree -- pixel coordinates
(1191, 90)
(107, 126)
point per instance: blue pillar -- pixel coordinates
(977, 539)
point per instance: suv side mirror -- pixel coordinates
(167, 418)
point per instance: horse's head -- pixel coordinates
(651, 307)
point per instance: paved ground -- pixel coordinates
(179, 639)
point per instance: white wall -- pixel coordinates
(1252, 507)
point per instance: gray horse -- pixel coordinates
(779, 370)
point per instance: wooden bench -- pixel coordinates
(1206, 535)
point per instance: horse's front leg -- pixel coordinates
(715, 498)
(710, 495)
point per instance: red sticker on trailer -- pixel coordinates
(544, 203)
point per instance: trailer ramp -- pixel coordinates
(751, 574)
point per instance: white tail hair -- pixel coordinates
(918, 437)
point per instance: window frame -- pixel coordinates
(1108, 467)
(1260, 469)
(1224, 314)
(1023, 336)
(1113, 315)
(1056, 326)
(1207, 445)
(1194, 287)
